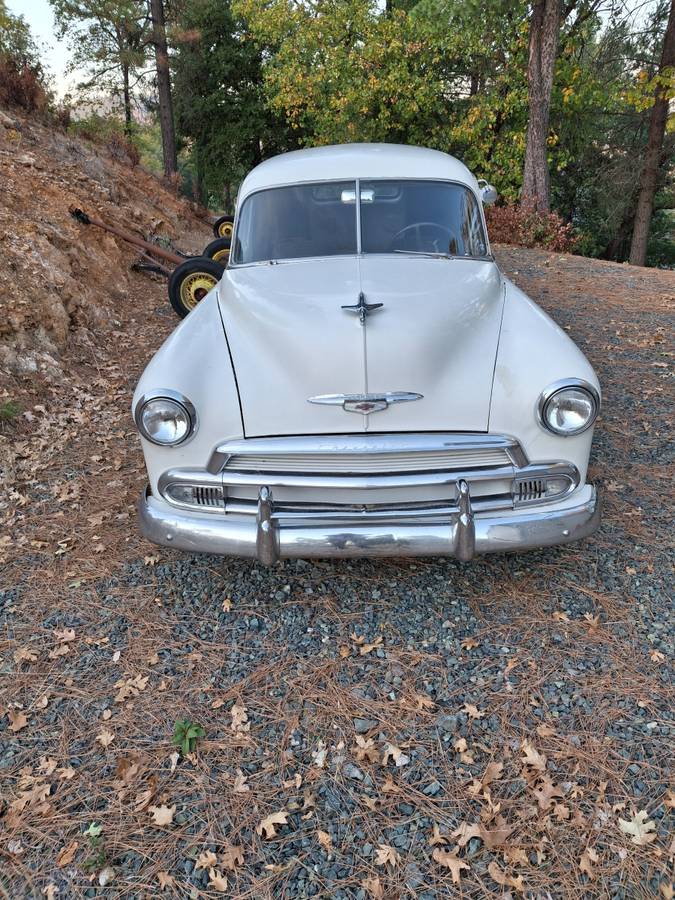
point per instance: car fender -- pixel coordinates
(533, 354)
(194, 361)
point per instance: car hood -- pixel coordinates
(291, 341)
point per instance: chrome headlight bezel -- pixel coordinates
(173, 397)
(553, 390)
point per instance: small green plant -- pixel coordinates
(186, 734)
(97, 859)
(9, 410)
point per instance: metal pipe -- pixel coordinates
(86, 219)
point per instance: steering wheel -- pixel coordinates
(442, 231)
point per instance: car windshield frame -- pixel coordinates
(359, 252)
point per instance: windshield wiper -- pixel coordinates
(430, 253)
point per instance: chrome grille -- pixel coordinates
(207, 496)
(369, 463)
(530, 489)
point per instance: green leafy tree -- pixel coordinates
(345, 70)
(221, 113)
(110, 39)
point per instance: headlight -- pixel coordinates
(166, 420)
(568, 407)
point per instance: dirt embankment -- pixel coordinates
(62, 284)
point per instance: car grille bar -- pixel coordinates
(367, 453)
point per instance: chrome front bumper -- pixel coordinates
(465, 533)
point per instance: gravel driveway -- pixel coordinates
(371, 729)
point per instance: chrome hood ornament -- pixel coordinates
(365, 403)
(362, 309)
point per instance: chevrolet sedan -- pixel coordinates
(363, 380)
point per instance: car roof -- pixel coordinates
(348, 161)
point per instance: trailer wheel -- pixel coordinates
(218, 250)
(191, 281)
(223, 227)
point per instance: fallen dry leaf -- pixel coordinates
(472, 711)
(465, 832)
(368, 648)
(61, 650)
(450, 861)
(162, 815)
(105, 738)
(64, 635)
(506, 880)
(165, 880)
(641, 829)
(23, 654)
(130, 687)
(374, 887)
(387, 856)
(533, 758)
(240, 786)
(391, 751)
(545, 730)
(17, 720)
(232, 857)
(266, 827)
(588, 857)
(217, 881)
(437, 837)
(206, 860)
(365, 749)
(66, 854)
(545, 791)
(325, 841)
(240, 722)
(47, 765)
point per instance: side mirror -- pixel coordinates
(488, 192)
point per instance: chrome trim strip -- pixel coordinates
(364, 482)
(285, 512)
(560, 385)
(194, 532)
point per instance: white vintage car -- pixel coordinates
(363, 380)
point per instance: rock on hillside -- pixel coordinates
(61, 281)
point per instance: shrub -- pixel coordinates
(107, 131)
(524, 227)
(20, 85)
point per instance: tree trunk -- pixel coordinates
(652, 160)
(164, 88)
(126, 93)
(544, 34)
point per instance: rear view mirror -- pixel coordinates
(488, 192)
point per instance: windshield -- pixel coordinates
(402, 216)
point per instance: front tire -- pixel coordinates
(223, 227)
(218, 250)
(191, 281)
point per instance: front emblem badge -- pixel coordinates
(365, 403)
